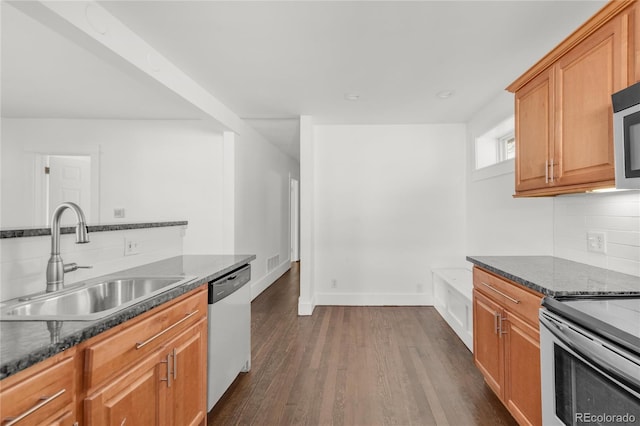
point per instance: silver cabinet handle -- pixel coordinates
(552, 164)
(546, 171)
(44, 401)
(168, 379)
(502, 330)
(177, 323)
(496, 323)
(175, 363)
(495, 290)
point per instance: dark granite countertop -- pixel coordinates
(39, 231)
(24, 343)
(553, 276)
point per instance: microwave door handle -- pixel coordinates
(593, 353)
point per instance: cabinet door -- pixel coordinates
(586, 77)
(487, 342)
(522, 371)
(186, 396)
(534, 132)
(131, 399)
(64, 419)
(42, 394)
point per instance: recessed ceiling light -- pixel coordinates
(351, 96)
(444, 94)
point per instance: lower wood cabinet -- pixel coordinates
(187, 393)
(522, 367)
(165, 388)
(130, 399)
(41, 395)
(151, 370)
(506, 343)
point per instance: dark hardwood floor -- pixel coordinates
(354, 366)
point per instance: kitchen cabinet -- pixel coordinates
(564, 134)
(187, 393)
(534, 133)
(165, 388)
(488, 349)
(506, 343)
(153, 371)
(43, 394)
(634, 50)
(132, 398)
(150, 370)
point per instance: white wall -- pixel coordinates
(497, 223)
(262, 174)
(306, 301)
(616, 214)
(155, 169)
(389, 207)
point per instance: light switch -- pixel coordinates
(596, 242)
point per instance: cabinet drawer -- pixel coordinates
(39, 393)
(510, 295)
(135, 339)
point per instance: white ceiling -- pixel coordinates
(271, 62)
(44, 75)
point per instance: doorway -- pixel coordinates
(65, 178)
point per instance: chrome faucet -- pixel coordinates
(56, 268)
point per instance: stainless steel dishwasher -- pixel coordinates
(229, 341)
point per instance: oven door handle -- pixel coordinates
(604, 357)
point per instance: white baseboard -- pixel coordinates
(305, 308)
(372, 299)
(263, 283)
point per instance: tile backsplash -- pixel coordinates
(615, 214)
(24, 260)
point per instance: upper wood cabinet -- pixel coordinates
(534, 132)
(634, 48)
(564, 133)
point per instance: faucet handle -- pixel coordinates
(70, 267)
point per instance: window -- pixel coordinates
(496, 145)
(506, 147)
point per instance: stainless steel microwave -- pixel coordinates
(626, 136)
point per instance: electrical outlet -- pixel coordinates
(596, 242)
(130, 247)
(334, 283)
(419, 288)
(118, 212)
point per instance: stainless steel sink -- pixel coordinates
(89, 300)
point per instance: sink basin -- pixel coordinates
(89, 300)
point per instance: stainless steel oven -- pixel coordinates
(590, 361)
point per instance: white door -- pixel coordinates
(69, 179)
